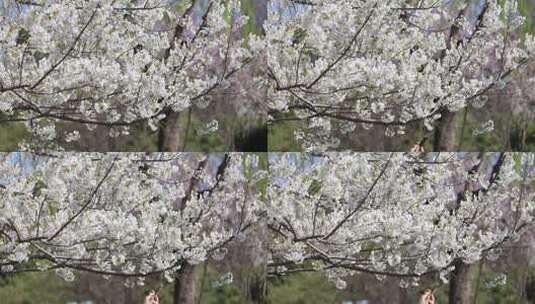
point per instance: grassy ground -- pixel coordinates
(192, 134)
(509, 134)
(309, 288)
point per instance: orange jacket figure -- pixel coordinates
(427, 297)
(152, 298)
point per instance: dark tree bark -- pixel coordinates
(256, 140)
(445, 133)
(404, 297)
(128, 298)
(257, 288)
(168, 137)
(186, 289)
(252, 140)
(462, 284)
(463, 278)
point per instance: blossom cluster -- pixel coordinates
(333, 64)
(122, 214)
(104, 62)
(395, 214)
(338, 64)
(398, 214)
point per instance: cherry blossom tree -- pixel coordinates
(132, 215)
(404, 215)
(128, 215)
(338, 64)
(115, 63)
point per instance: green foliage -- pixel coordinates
(484, 142)
(229, 294)
(205, 142)
(262, 164)
(530, 286)
(526, 9)
(299, 288)
(29, 288)
(10, 135)
(211, 293)
(141, 138)
(522, 137)
(299, 36)
(511, 133)
(221, 140)
(487, 292)
(315, 187)
(281, 137)
(501, 294)
(23, 36)
(303, 288)
(48, 288)
(182, 5)
(248, 8)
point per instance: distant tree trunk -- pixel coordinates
(187, 286)
(261, 13)
(257, 293)
(256, 288)
(478, 280)
(128, 295)
(445, 132)
(461, 284)
(404, 296)
(168, 137)
(186, 289)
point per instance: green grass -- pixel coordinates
(248, 8)
(281, 137)
(304, 288)
(29, 288)
(526, 9)
(10, 135)
(141, 137)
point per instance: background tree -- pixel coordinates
(337, 65)
(128, 215)
(402, 215)
(116, 63)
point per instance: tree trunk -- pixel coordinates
(478, 280)
(168, 137)
(187, 286)
(257, 293)
(261, 13)
(128, 295)
(445, 133)
(256, 273)
(462, 284)
(403, 297)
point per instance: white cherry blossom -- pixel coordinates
(122, 214)
(395, 214)
(389, 63)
